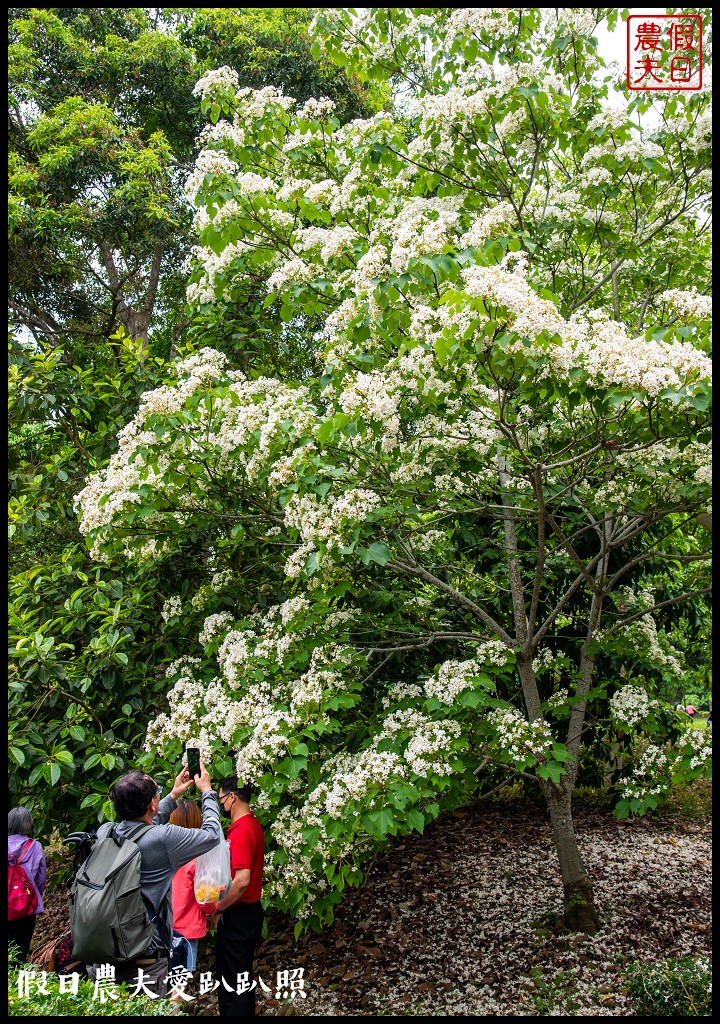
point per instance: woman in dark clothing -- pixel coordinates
(32, 857)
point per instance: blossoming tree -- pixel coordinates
(456, 526)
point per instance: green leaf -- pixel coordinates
(622, 809)
(416, 820)
(379, 552)
(551, 770)
(470, 698)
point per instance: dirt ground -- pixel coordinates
(464, 921)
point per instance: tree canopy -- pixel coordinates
(434, 559)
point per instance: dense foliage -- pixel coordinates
(677, 987)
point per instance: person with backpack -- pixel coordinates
(121, 898)
(26, 879)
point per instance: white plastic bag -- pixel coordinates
(212, 873)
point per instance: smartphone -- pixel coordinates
(193, 761)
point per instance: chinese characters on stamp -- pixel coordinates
(664, 52)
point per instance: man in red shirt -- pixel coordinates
(240, 912)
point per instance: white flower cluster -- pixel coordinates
(254, 103)
(292, 608)
(400, 691)
(427, 541)
(185, 716)
(492, 221)
(209, 161)
(609, 355)
(688, 304)
(451, 678)
(642, 632)
(171, 608)
(187, 663)
(577, 19)
(611, 118)
(558, 701)
(530, 315)
(339, 618)
(213, 625)
(268, 706)
(371, 266)
(543, 661)
(317, 110)
(114, 487)
(701, 744)
(219, 78)
(214, 269)
(645, 778)
(330, 242)
(349, 780)
(292, 271)
(471, 20)
(241, 648)
(522, 741)
(330, 521)
(221, 579)
(421, 227)
(631, 705)
(223, 131)
(639, 149)
(201, 597)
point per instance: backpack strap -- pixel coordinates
(19, 857)
(139, 831)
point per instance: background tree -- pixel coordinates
(504, 453)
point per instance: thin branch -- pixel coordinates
(426, 641)
(660, 604)
(423, 574)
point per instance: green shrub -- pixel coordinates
(676, 987)
(54, 1003)
(690, 800)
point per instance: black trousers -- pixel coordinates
(238, 933)
(21, 932)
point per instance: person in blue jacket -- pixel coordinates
(31, 855)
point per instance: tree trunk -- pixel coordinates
(579, 913)
(136, 322)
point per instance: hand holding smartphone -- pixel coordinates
(193, 761)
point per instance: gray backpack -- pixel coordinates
(109, 921)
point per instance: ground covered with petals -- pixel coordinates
(463, 921)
